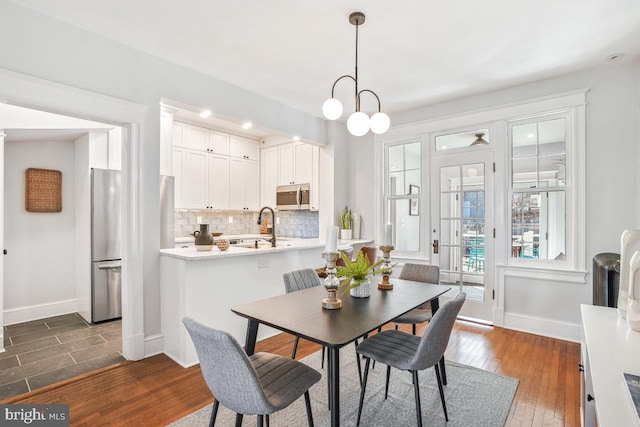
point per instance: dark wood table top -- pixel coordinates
(300, 313)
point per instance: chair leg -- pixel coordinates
(260, 420)
(295, 348)
(322, 362)
(214, 413)
(444, 406)
(364, 387)
(238, 420)
(358, 363)
(386, 386)
(413, 328)
(416, 388)
(267, 418)
(396, 326)
(307, 402)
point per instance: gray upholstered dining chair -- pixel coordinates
(418, 273)
(411, 353)
(260, 384)
(296, 281)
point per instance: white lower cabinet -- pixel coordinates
(244, 184)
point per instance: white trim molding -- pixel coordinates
(39, 311)
(540, 326)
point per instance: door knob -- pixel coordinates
(435, 246)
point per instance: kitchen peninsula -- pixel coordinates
(205, 285)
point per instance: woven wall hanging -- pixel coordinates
(43, 190)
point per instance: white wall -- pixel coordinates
(612, 191)
(51, 50)
(39, 265)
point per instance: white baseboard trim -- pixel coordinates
(153, 344)
(39, 311)
(541, 326)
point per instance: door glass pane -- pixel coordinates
(460, 139)
(412, 156)
(450, 178)
(449, 206)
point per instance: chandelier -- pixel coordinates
(358, 123)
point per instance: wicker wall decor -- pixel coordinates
(43, 190)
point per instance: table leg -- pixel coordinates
(435, 305)
(250, 340)
(334, 387)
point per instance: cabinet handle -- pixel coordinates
(590, 398)
(580, 367)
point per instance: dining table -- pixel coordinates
(301, 314)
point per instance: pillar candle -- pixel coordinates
(388, 235)
(332, 239)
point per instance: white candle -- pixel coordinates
(388, 235)
(332, 239)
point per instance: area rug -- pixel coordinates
(474, 398)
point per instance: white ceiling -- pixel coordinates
(411, 53)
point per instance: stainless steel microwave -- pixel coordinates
(292, 197)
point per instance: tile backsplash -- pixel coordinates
(301, 224)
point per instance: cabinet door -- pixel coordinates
(196, 179)
(236, 183)
(177, 162)
(315, 178)
(303, 169)
(197, 138)
(166, 124)
(218, 181)
(177, 134)
(219, 142)
(236, 146)
(252, 184)
(285, 164)
(269, 173)
(252, 149)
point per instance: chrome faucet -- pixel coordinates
(273, 224)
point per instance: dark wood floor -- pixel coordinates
(156, 391)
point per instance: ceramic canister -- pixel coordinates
(629, 244)
(633, 305)
(204, 239)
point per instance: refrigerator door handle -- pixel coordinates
(110, 267)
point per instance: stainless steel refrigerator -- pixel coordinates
(106, 238)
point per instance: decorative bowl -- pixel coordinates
(223, 244)
(216, 233)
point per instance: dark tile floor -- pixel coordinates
(46, 351)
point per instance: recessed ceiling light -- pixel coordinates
(615, 57)
(247, 125)
(296, 138)
(205, 113)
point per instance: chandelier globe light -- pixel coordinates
(359, 122)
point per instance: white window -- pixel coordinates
(539, 187)
(402, 197)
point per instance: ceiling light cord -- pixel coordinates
(359, 123)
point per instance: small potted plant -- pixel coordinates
(346, 233)
(354, 274)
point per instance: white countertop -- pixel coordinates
(286, 244)
(613, 348)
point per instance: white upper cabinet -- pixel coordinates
(244, 148)
(293, 163)
(219, 142)
(218, 182)
(177, 134)
(244, 184)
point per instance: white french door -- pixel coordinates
(463, 228)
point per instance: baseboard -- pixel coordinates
(39, 311)
(540, 326)
(153, 345)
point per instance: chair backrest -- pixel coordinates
(227, 370)
(348, 252)
(420, 273)
(436, 338)
(371, 252)
(301, 279)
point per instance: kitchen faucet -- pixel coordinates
(273, 224)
